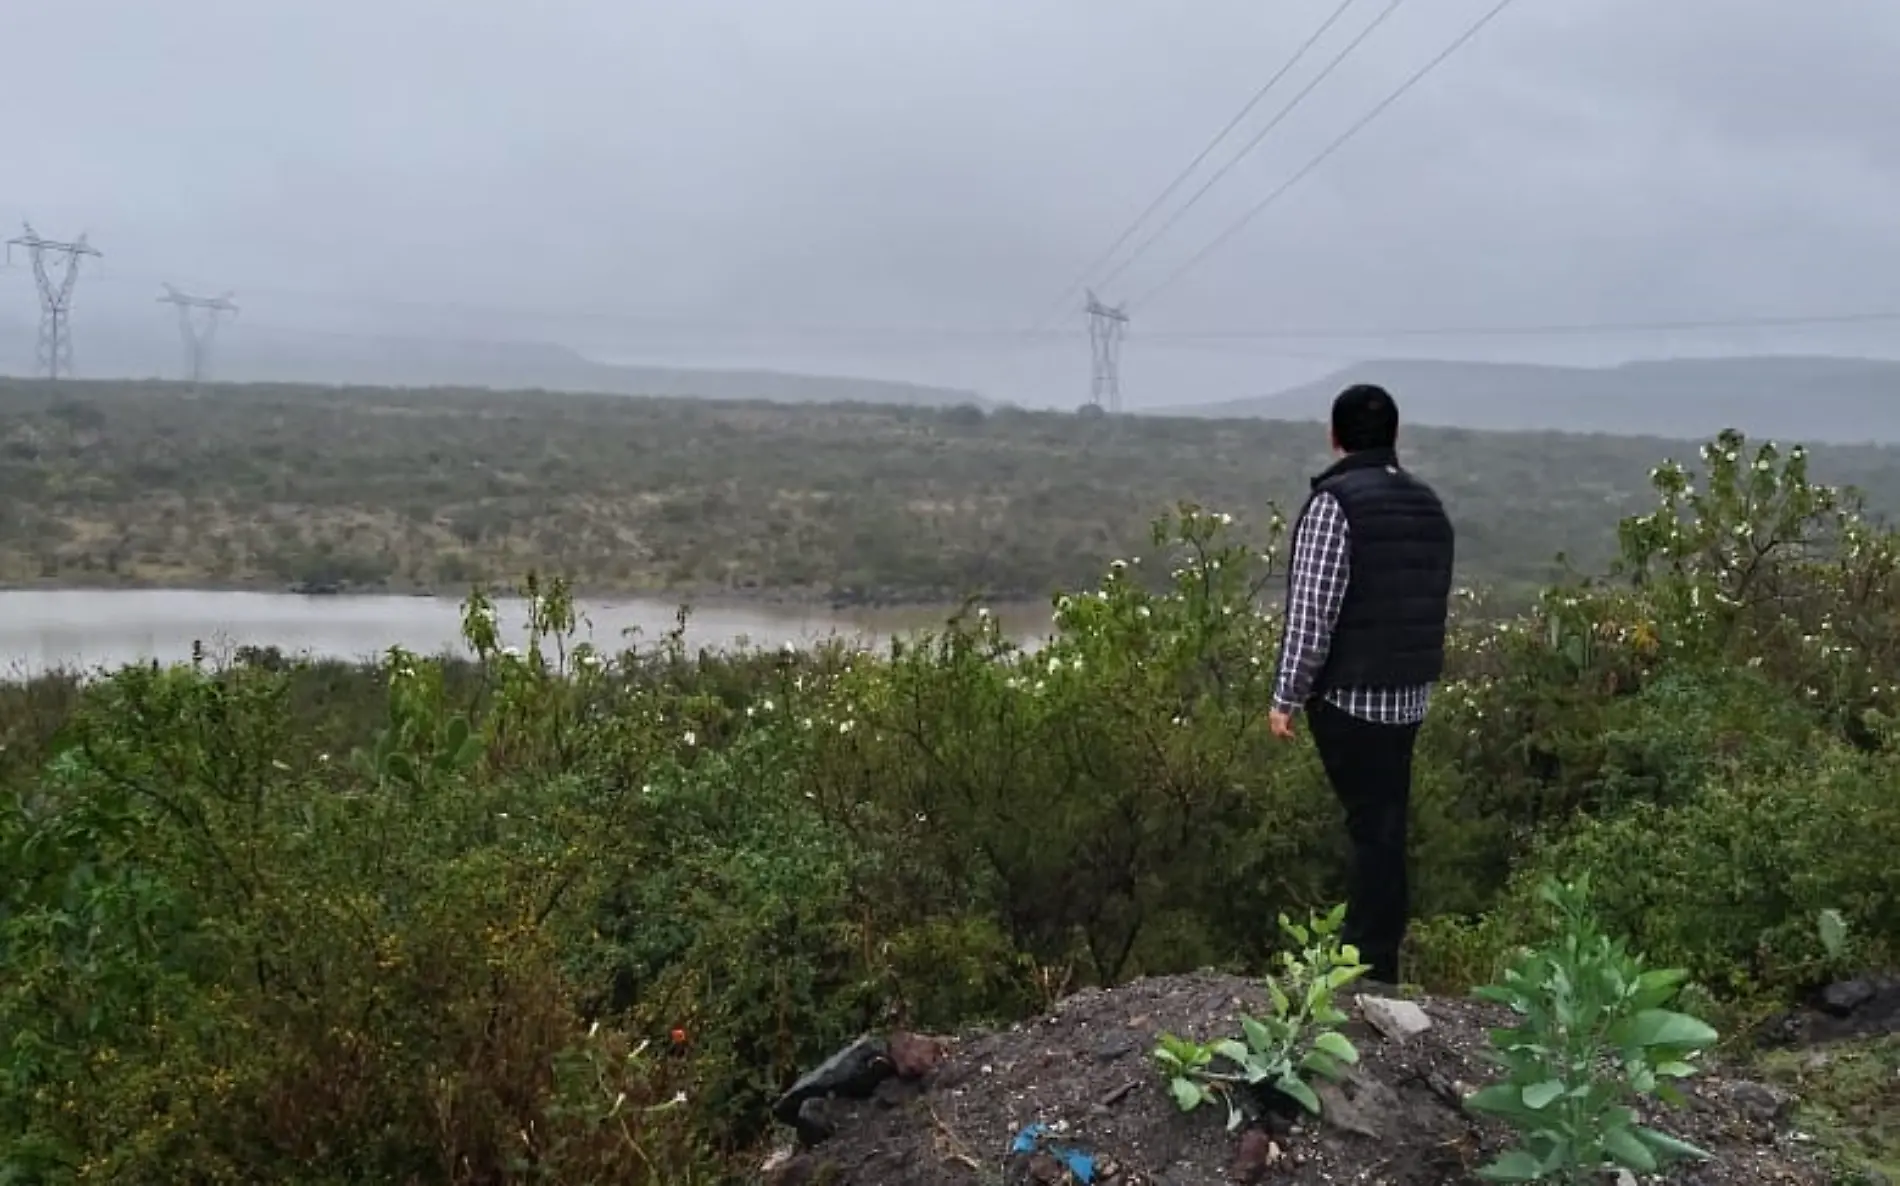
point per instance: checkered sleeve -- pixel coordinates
(1315, 589)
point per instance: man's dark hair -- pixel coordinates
(1365, 417)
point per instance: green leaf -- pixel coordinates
(401, 767)
(1667, 1145)
(1502, 1099)
(1515, 1166)
(1294, 1088)
(1337, 1045)
(1188, 1094)
(1656, 987)
(1629, 1152)
(1232, 1051)
(1663, 1027)
(1539, 1095)
(1321, 1063)
(1833, 933)
(1281, 1005)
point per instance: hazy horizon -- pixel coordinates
(897, 192)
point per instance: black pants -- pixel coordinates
(1370, 767)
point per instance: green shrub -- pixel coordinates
(1593, 1035)
(560, 915)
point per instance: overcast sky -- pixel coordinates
(742, 182)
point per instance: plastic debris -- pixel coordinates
(1034, 1139)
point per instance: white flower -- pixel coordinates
(691, 738)
(845, 726)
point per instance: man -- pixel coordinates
(1367, 594)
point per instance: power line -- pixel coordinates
(1547, 329)
(906, 337)
(1062, 302)
(1325, 72)
(1459, 43)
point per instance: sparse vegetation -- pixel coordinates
(580, 917)
(1297, 1038)
(271, 486)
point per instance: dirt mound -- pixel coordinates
(1083, 1073)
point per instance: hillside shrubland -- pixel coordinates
(566, 916)
(268, 486)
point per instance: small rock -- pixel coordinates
(893, 1093)
(1358, 1104)
(1396, 1019)
(1115, 1047)
(1625, 1178)
(913, 1056)
(784, 1168)
(814, 1121)
(1761, 1103)
(1257, 1153)
(1844, 996)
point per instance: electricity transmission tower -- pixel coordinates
(56, 298)
(1106, 326)
(197, 330)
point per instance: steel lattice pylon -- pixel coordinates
(55, 354)
(1106, 327)
(198, 333)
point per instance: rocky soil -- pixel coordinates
(946, 1112)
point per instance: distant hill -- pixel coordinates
(266, 354)
(1834, 400)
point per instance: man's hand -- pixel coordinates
(1281, 723)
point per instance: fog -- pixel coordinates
(899, 190)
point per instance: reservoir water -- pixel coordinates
(43, 629)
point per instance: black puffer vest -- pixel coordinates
(1391, 628)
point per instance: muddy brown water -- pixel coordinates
(51, 629)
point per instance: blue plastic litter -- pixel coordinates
(1080, 1165)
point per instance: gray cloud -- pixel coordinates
(668, 181)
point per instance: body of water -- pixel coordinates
(42, 630)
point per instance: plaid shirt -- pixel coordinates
(1321, 568)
